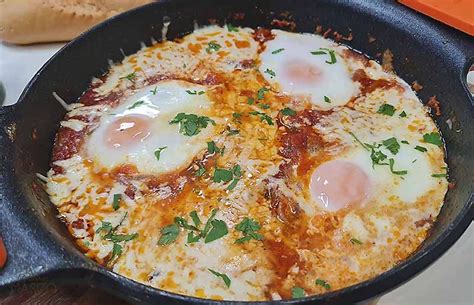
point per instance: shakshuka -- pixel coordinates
(248, 164)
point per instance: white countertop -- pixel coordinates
(449, 281)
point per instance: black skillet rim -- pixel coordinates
(368, 289)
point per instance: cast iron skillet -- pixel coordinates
(40, 246)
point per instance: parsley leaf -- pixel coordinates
(116, 201)
(131, 77)
(318, 52)
(386, 109)
(233, 184)
(195, 218)
(355, 241)
(327, 99)
(232, 28)
(323, 51)
(232, 132)
(191, 124)
(212, 148)
(116, 238)
(136, 104)
(439, 175)
(263, 117)
(322, 283)
(404, 142)
(433, 138)
(192, 238)
(154, 90)
(297, 293)
(223, 276)
(106, 227)
(278, 51)
(400, 173)
(181, 222)
(169, 234)
(392, 145)
(421, 148)
(207, 226)
(264, 106)
(261, 93)
(158, 152)
(213, 46)
(403, 114)
(194, 92)
(201, 170)
(218, 230)
(270, 72)
(249, 228)
(222, 175)
(288, 111)
(116, 251)
(250, 101)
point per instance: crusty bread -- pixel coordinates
(32, 21)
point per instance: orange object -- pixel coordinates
(456, 13)
(3, 254)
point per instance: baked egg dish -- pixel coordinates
(248, 164)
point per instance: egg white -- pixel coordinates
(161, 102)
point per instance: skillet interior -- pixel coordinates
(430, 53)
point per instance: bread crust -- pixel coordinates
(33, 21)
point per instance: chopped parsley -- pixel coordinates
(168, 234)
(322, 283)
(249, 228)
(355, 241)
(192, 238)
(213, 149)
(154, 90)
(213, 46)
(116, 201)
(191, 124)
(182, 223)
(110, 234)
(270, 72)
(207, 226)
(386, 109)
(218, 230)
(288, 111)
(324, 51)
(136, 104)
(264, 106)
(116, 238)
(116, 251)
(439, 175)
(433, 138)
(158, 152)
(400, 173)
(194, 92)
(250, 101)
(223, 276)
(327, 99)
(232, 132)
(421, 148)
(403, 114)
(392, 145)
(261, 93)
(231, 28)
(236, 117)
(131, 77)
(278, 51)
(195, 218)
(222, 175)
(404, 142)
(263, 117)
(201, 170)
(297, 293)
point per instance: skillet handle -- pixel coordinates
(31, 253)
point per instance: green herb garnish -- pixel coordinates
(439, 175)
(213, 149)
(433, 138)
(218, 230)
(288, 111)
(421, 148)
(386, 109)
(261, 93)
(136, 104)
(232, 28)
(116, 201)
(223, 276)
(391, 162)
(201, 170)
(403, 114)
(213, 46)
(130, 76)
(191, 124)
(158, 152)
(355, 241)
(392, 145)
(278, 51)
(263, 117)
(249, 228)
(270, 72)
(169, 234)
(327, 99)
(250, 101)
(322, 283)
(297, 293)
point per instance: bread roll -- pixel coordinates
(32, 21)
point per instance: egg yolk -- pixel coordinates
(301, 72)
(339, 184)
(127, 131)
